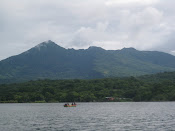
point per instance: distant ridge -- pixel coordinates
(48, 60)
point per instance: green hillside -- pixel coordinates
(50, 61)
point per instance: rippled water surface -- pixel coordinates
(88, 116)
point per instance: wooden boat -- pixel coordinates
(66, 105)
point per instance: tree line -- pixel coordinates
(121, 89)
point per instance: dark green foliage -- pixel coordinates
(159, 87)
(50, 61)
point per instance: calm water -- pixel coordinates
(126, 116)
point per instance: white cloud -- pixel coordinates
(111, 24)
(123, 2)
(110, 45)
(134, 29)
(173, 52)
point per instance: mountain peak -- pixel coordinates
(45, 44)
(95, 48)
(48, 41)
(130, 48)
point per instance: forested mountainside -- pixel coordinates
(51, 61)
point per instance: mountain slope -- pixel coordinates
(130, 62)
(48, 60)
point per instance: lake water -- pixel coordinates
(114, 116)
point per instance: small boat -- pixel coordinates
(71, 105)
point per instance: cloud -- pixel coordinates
(85, 36)
(111, 24)
(129, 29)
(124, 2)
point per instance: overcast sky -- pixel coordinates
(110, 24)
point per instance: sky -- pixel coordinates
(110, 24)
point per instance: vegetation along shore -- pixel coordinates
(157, 87)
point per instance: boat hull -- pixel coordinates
(69, 105)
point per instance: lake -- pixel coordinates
(104, 116)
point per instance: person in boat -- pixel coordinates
(73, 103)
